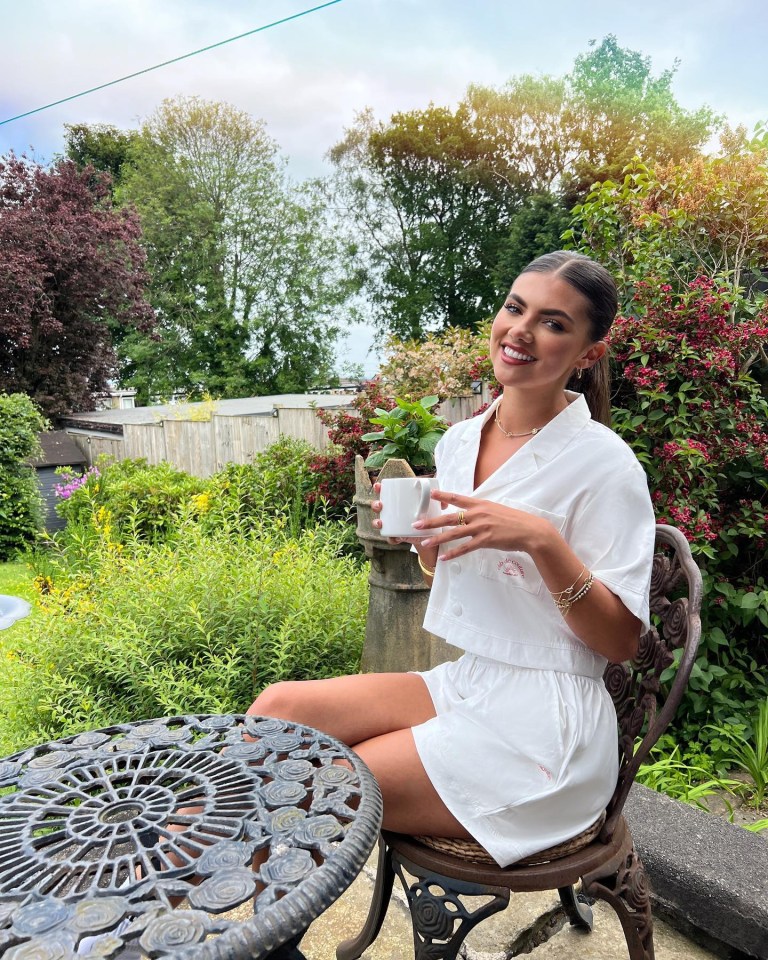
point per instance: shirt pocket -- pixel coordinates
(515, 568)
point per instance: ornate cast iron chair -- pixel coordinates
(603, 857)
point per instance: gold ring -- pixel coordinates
(460, 521)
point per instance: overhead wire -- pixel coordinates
(165, 63)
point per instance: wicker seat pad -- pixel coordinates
(470, 850)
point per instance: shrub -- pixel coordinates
(135, 499)
(696, 418)
(440, 364)
(20, 502)
(335, 468)
(150, 629)
(278, 482)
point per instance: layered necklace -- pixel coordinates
(513, 436)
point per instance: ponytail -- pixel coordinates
(595, 384)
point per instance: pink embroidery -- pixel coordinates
(546, 772)
(511, 568)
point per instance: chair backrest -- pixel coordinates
(642, 707)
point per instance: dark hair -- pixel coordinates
(596, 285)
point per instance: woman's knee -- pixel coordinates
(281, 699)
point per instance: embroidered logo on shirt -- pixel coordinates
(510, 568)
(544, 770)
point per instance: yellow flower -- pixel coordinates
(202, 502)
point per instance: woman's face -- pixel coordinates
(542, 333)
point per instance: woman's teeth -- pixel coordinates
(509, 352)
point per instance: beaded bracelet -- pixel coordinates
(564, 606)
(424, 568)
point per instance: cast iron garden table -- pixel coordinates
(204, 837)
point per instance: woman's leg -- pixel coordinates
(352, 708)
(373, 714)
(411, 803)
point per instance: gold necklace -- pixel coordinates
(513, 436)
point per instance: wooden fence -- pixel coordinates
(201, 447)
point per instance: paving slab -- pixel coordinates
(492, 939)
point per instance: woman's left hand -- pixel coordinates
(482, 523)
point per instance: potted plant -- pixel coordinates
(404, 446)
(409, 431)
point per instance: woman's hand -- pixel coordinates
(482, 523)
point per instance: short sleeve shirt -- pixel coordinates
(581, 477)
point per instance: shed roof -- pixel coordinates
(59, 450)
(247, 406)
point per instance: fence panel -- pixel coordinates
(302, 422)
(189, 446)
(145, 440)
(460, 408)
(237, 439)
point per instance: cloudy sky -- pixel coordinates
(308, 77)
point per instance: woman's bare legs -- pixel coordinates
(373, 714)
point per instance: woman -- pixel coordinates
(539, 572)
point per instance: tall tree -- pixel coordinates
(429, 207)
(245, 278)
(99, 145)
(567, 133)
(71, 280)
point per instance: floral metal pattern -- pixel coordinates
(103, 834)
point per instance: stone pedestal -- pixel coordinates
(395, 640)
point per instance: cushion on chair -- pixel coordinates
(470, 850)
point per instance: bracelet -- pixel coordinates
(564, 595)
(564, 606)
(424, 568)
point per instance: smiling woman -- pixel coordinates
(540, 569)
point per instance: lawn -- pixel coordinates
(16, 580)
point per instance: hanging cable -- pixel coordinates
(166, 63)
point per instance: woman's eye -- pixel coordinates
(512, 307)
(554, 324)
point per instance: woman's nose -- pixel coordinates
(520, 330)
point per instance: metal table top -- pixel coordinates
(151, 835)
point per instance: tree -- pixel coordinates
(445, 205)
(536, 228)
(705, 216)
(430, 208)
(245, 277)
(71, 280)
(565, 134)
(99, 145)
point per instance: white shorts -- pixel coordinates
(523, 758)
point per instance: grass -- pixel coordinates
(16, 580)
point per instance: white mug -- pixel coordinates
(404, 500)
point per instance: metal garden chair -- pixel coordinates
(603, 858)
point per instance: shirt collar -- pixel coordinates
(541, 448)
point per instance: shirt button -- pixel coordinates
(456, 609)
(455, 566)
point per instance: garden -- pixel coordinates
(169, 593)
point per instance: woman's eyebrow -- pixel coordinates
(545, 312)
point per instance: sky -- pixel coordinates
(309, 77)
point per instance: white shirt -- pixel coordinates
(586, 481)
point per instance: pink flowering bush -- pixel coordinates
(688, 402)
(72, 481)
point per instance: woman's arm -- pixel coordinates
(598, 618)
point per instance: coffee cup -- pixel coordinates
(404, 500)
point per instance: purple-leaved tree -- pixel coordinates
(72, 280)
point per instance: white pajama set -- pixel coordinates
(523, 750)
